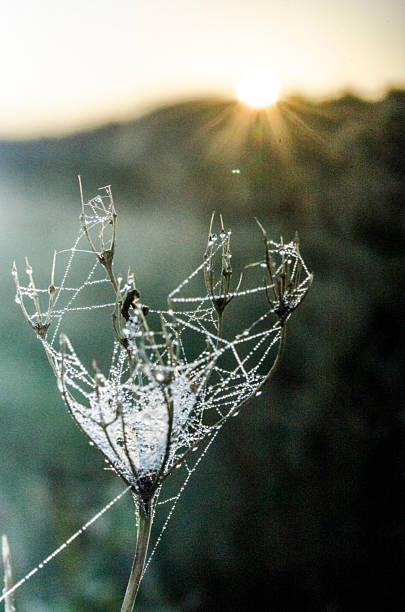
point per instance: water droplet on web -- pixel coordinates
(245, 332)
(17, 299)
(263, 265)
(258, 393)
(235, 170)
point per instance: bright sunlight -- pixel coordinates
(259, 88)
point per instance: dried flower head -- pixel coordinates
(175, 378)
(288, 277)
(157, 404)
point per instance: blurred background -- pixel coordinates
(299, 503)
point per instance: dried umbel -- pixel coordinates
(175, 378)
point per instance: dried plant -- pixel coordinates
(175, 378)
(8, 575)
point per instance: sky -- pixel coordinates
(71, 64)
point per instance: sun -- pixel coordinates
(259, 88)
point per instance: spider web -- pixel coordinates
(174, 378)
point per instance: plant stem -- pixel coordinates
(145, 519)
(8, 575)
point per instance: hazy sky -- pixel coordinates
(69, 63)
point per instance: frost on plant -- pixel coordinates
(175, 376)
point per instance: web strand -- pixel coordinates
(65, 544)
